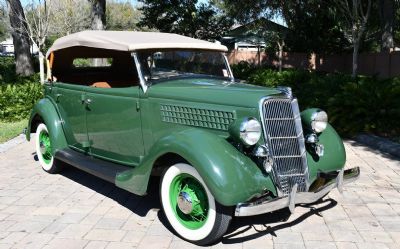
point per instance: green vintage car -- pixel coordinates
(127, 105)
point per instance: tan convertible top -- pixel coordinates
(131, 41)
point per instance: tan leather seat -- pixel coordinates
(101, 85)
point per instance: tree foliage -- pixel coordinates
(122, 16)
(3, 23)
(186, 17)
(397, 24)
(315, 25)
(321, 26)
(66, 19)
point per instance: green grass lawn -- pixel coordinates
(11, 130)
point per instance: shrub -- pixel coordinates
(365, 104)
(17, 99)
(7, 69)
(17, 94)
(243, 69)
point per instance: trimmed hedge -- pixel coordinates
(364, 104)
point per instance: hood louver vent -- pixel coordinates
(206, 118)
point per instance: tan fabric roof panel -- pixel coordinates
(131, 41)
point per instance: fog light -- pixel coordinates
(312, 138)
(261, 151)
(268, 163)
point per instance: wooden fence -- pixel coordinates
(384, 65)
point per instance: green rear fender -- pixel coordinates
(48, 113)
(231, 177)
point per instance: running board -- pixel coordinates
(100, 168)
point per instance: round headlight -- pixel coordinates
(319, 121)
(250, 131)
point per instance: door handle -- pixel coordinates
(58, 95)
(88, 101)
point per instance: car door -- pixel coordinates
(70, 103)
(114, 125)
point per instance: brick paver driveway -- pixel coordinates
(77, 210)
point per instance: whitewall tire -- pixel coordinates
(190, 207)
(43, 149)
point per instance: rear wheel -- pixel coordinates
(189, 206)
(43, 150)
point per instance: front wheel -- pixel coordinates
(190, 207)
(43, 150)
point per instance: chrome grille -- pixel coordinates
(284, 136)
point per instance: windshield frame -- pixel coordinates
(147, 83)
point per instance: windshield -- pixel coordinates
(158, 65)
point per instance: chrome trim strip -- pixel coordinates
(139, 71)
(301, 140)
(265, 205)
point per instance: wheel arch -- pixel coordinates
(230, 175)
(165, 161)
(36, 120)
(44, 111)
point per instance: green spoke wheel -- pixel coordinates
(187, 190)
(44, 150)
(45, 146)
(190, 207)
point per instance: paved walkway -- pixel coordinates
(76, 210)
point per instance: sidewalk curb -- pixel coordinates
(380, 143)
(12, 143)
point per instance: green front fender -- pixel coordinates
(334, 157)
(230, 175)
(47, 112)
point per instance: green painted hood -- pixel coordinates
(212, 91)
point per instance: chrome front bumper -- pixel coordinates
(265, 205)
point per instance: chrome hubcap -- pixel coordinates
(42, 148)
(185, 202)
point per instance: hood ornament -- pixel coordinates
(287, 91)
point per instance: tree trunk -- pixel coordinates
(98, 14)
(23, 59)
(280, 54)
(41, 67)
(98, 22)
(356, 47)
(386, 11)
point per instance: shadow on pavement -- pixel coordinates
(372, 149)
(243, 224)
(139, 205)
